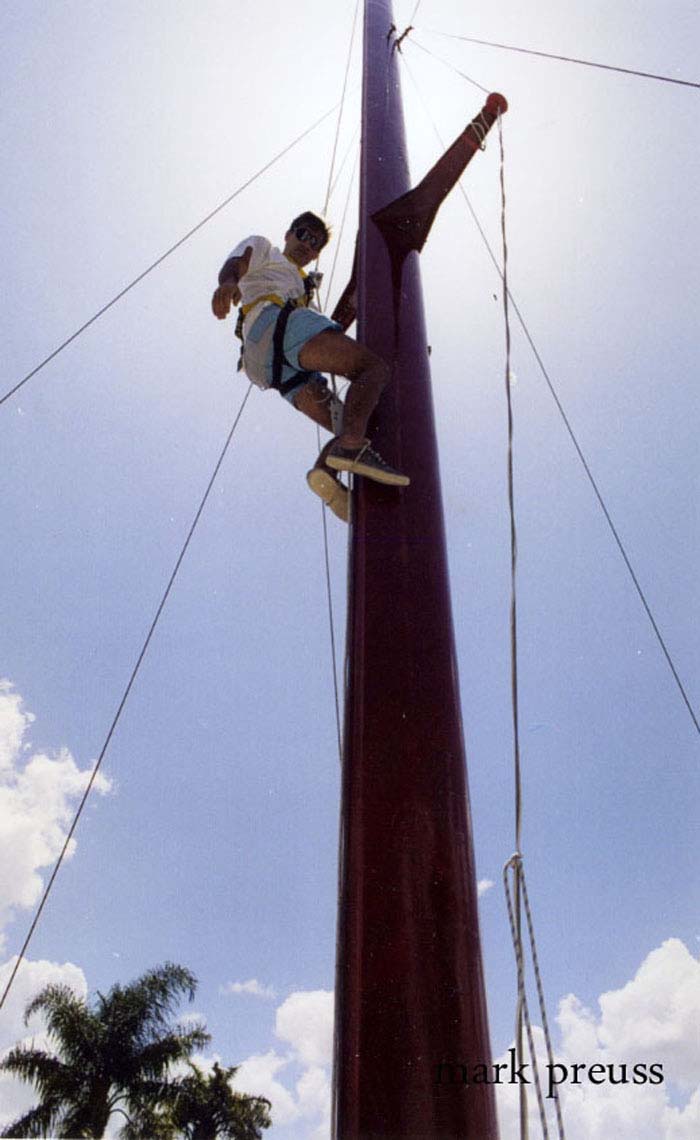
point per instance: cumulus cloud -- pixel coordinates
(253, 987)
(297, 1081)
(653, 1019)
(305, 1021)
(15, 1096)
(38, 795)
(658, 1013)
(483, 886)
(314, 1098)
(257, 1076)
(14, 722)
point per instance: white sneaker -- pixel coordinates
(334, 493)
(363, 460)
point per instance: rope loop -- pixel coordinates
(480, 130)
(516, 865)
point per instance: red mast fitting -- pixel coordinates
(407, 221)
(410, 1003)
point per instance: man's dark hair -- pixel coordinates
(310, 219)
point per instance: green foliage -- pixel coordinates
(205, 1107)
(115, 1056)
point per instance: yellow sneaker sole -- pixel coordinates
(333, 493)
(390, 477)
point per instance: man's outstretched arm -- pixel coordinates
(228, 293)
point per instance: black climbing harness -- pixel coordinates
(284, 387)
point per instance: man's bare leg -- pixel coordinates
(332, 351)
(314, 400)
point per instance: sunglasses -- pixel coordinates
(316, 241)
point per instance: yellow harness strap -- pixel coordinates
(274, 297)
(300, 302)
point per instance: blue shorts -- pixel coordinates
(303, 324)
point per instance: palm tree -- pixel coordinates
(110, 1057)
(205, 1107)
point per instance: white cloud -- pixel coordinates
(30, 978)
(657, 1014)
(257, 1076)
(653, 1019)
(16, 1097)
(314, 1098)
(253, 987)
(13, 724)
(483, 886)
(38, 794)
(304, 1022)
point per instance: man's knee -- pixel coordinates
(371, 370)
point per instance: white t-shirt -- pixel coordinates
(269, 272)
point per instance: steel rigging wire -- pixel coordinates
(567, 423)
(565, 59)
(329, 191)
(173, 576)
(163, 256)
(516, 862)
(122, 703)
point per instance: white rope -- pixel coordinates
(342, 227)
(516, 861)
(330, 188)
(571, 433)
(515, 865)
(347, 154)
(340, 112)
(522, 1011)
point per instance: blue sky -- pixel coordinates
(213, 840)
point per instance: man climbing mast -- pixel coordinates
(287, 345)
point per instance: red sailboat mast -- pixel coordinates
(411, 1018)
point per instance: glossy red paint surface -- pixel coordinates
(410, 991)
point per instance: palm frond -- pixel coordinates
(205, 1104)
(72, 1028)
(52, 999)
(160, 990)
(118, 1049)
(39, 1121)
(87, 1116)
(155, 1058)
(139, 1012)
(32, 1065)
